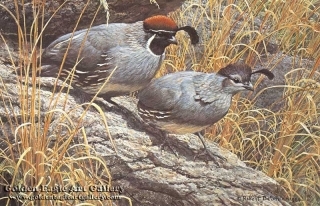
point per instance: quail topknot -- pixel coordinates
(132, 53)
(188, 102)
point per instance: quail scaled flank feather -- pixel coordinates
(132, 53)
(188, 102)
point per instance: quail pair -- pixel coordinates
(188, 102)
(128, 56)
(122, 57)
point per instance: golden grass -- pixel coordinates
(283, 144)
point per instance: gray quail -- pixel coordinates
(188, 102)
(132, 53)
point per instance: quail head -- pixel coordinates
(188, 102)
(130, 53)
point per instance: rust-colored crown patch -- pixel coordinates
(160, 22)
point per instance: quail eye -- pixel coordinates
(164, 34)
(236, 80)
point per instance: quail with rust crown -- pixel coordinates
(130, 53)
(188, 102)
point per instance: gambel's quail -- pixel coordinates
(131, 53)
(188, 102)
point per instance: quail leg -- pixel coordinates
(86, 98)
(166, 143)
(81, 96)
(112, 103)
(108, 98)
(212, 155)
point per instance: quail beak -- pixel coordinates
(173, 40)
(249, 86)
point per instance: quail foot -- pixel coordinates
(118, 58)
(188, 102)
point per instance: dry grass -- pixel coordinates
(284, 144)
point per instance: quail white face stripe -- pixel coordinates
(236, 76)
(163, 31)
(148, 44)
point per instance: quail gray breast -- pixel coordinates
(188, 102)
(130, 53)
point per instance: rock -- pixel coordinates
(149, 174)
(66, 17)
(271, 92)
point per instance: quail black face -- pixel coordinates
(166, 36)
(161, 31)
(159, 40)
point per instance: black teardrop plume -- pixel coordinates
(192, 33)
(266, 72)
